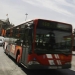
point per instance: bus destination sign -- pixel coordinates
(53, 25)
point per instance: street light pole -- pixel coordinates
(7, 15)
(26, 16)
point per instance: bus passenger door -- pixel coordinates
(25, 54)
(26, 46)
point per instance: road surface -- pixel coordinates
(9, 67)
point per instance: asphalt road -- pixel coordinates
(9, 67)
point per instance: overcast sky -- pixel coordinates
(57, 10)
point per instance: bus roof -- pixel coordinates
(44, 20)
(38, 20)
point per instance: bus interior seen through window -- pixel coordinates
(46, 39)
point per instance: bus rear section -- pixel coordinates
(43, 44)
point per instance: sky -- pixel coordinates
(56, 10)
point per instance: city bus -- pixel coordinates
(40, 44)
(73, 42)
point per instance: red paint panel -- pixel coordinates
(57, 59)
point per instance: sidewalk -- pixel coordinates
(73, 62)
(73, 52)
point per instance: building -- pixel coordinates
(5, 24)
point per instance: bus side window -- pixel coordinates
(30, 36)
(8, 33)
(27, 37)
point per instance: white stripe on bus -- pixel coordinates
(58, 62)
(49, 55)
(51, 62)
(56, 55)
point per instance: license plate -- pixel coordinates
(55, 67)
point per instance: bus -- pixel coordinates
(73, 42)
(40, 44)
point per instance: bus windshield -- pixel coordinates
(52, 40)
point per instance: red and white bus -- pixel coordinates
(40, 44)
(73, 41)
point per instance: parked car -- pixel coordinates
(1, 40)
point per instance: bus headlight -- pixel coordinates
(33, 62)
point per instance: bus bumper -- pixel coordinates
(37, 66)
